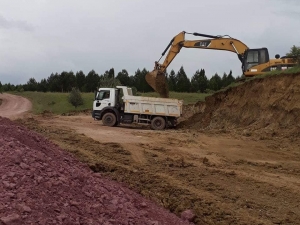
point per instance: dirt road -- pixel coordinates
(13, 106)
(225, 179)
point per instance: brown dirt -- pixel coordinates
(236, 161)
(224, 179)
(13, 106)
(263, 107)
(158, 82)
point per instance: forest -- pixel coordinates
(178, 82)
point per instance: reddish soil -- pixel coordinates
(43, 184)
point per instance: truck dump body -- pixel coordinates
(152, 106)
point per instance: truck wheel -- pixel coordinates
(109, 119)
(158, 123)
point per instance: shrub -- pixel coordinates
(75, 97)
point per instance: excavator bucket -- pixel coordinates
(158, 82)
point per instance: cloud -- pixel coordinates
(17, 24)
(290, 13)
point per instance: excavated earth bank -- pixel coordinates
(267, 107)
(43, 184)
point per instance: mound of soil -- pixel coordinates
(265, 106)
(43, 184)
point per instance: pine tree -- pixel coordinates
(215, 83)
(92, 81)
(172, 81)
(182, 81)
(124, 78)
(199, 81)
(80, 81)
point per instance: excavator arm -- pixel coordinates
(216, 43)
(156, 78)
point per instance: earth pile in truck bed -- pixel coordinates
(43, 184)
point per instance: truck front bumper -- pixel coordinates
(96, 114)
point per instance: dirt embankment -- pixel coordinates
(268, 107)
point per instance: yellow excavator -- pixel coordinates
(254, 61)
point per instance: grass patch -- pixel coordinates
(188, 98)
(0, 101)
(56, 103)
(292, 70)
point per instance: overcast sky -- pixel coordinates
(38, 37)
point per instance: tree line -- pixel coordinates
(179, 82)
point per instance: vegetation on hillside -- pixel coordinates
(295, 53)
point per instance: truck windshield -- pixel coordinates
(103, 95)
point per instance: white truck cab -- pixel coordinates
(104, 98)
(118, 105)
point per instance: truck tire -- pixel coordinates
(109, 119)
(158, 123)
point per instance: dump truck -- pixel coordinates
(118, 105)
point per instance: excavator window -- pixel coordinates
(254, 57)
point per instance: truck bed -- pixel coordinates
(153, 106)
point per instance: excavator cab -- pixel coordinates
(254, 57)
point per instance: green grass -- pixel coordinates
(188, 98)
(292, 70)
(56, 103)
